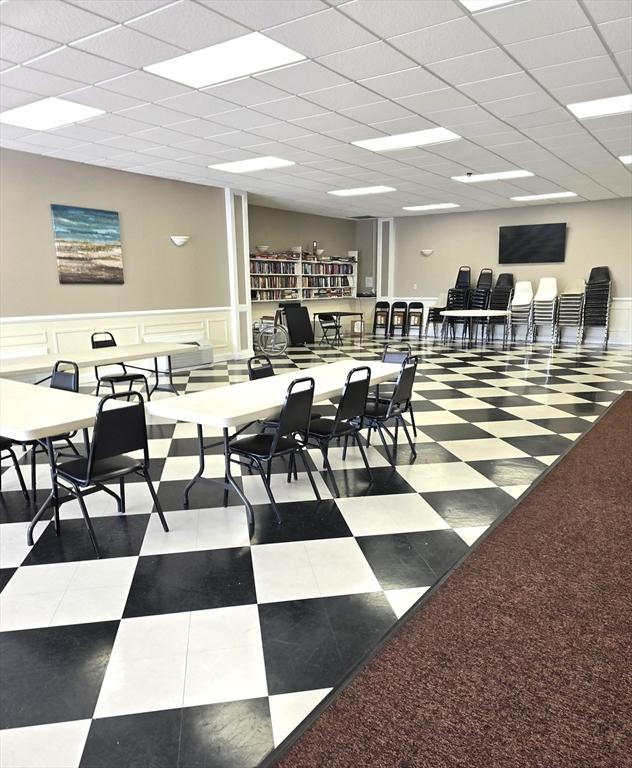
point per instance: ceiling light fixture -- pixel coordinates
(235, 58)
(48, 113)
(481, 5)
(361, 191)
(433, 207)
(615, 105)
(473, 178)
(403, 140)
(548, 196)
(626, 159)
(254, 164)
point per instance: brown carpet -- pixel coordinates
(523, 657)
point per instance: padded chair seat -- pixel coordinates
(261, 445)
(122, 377)
(323, 427)
(106, 469)
(376, 408)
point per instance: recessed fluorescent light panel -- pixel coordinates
(48, 113)
(616, 105)
(255, 164)
(403, 140)
(361, 191)
(481, 5)
(627, 159)
(433, 207)
(500, 176)
(226, 61)
(549, 196)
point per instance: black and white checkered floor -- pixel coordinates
(201, 647)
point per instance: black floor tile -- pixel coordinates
(202, 495)
(304, 520)
(396, 562)
(231, 735)
(14, 508)
(425, 405)
(160, 431)
(510, 471)
(508, 401)
(563, 425)
(120, 536)
(310, 644)
(540, 445)
(146, 740)
(5, 576)
(486, 414)
(461, 509)
(583, 409)
(52, 675)
(440, 549)
(443, 394)
(191, 581)
(441, 432)
(356, 482)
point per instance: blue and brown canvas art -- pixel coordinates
(88, 245)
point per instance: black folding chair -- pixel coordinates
(6, 447)
(329, 324)
(117, 432)
(415, 318)
(347, 422)
(106, 339)
(395, 354)
(289, 439)
(378, 412)
(259, 367)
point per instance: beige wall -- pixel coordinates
(598, 233)
(366, 244)
(283, 229)
(158, 275)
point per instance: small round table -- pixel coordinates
(467, 315)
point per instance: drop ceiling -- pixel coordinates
(500, 78)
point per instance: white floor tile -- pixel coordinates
(402, 600)
(297, 490)
(515, 490)
(555, 398)
(537, 412)
(294, 581)
(287, 710)
(181, 537)
(447, 476)
(512, 428)
(220, 527)
(482, 449)
(229, 627)
(461, 404)
(340, 567)
(374, 515)
(548, 460)
(185, 467)
(353, 460)
(432, 418)
(471, 533)
(54, 745)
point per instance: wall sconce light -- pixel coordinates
(179, 239)
(427, 251)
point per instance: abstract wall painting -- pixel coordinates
(88, 245)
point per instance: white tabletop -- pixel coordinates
(102, 356)
(475, 313)
(29, 412)
(247, 401)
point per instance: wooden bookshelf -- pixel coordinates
(278, 278)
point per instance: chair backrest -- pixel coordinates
(457, 298)
(575, 287)
(68, 379)
(505, 280)
(396, 354)
(352, 404)
(599, 275)
(107, 340)
(463, 277)
(382, 311)
(118, 430)
(500, 298)
(547, 289)
(485, 278)
(523, 293)
(404, 386)
(325, 317)
(479, 298)
(259, 367)
(415, 306)
(296, 410)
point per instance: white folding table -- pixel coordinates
(103, 356)
(474, 314)
(239, 404)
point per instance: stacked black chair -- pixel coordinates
(500, 299)
(597, 301)
(379, 413)
(458, 298)
(463, 278)
(288, 440)
(484, 281)
(381, 316)
(330, 326)
(415, 321)
(504, 280)
(106, 339)
(570, 309)
(479, 299)
(118, 432)
(399, 318)
(347, 422)
(6, 447)
(434, 314)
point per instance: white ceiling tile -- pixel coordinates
(155, 114)
(12, 97)
(81, 132)
(411, 81)
(5, 64)
(290, 108)
(342, 96)
(559, 48)
(115, 124)
(605, 10)
(624, 60)
(102, 99)
(34, 81)
(447, 98)
(378, 112)
(50, 142)
(131, 143)
(196, 127)
(521, 105)
(129, 47)
(320, 34)
(475, 66)
(78, 65)
(261, 15)
(243, 118)
(144, 86)
(314, 141)
(617, 34)
(525, 20)
(444, 41)
(452, 118)
(329, 121)
(302, 77)
(246, 92)
(11, 132)
(500, 87)
(236, 139)
(19, 46)
(189, 26)
(367, 61)
(546, 117)
(279, 131)
(120, 10)
(198, 103)
(575, 73)
(603, 89)
(398, 16)
(52, 19)
(199, 146)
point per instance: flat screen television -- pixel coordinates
(532, 244)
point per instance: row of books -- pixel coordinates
(273, 281)
(327, 269)
(325, 282)
(268, 267)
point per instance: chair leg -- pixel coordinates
(310, 475)
(358, 442)
(33, 471)
(410, 442)
(157, 504)
(344, 450)
(330, 472)
(18, 472)
(388, 453)
(86, 517)
(122, 493)
(226, 489)
(412, 418)
(266, 484)
(147, 387)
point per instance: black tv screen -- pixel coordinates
(532, 244)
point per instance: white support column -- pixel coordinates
(231, 240)
(384, 288)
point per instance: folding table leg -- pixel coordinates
(200, 472)
(231, 480)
